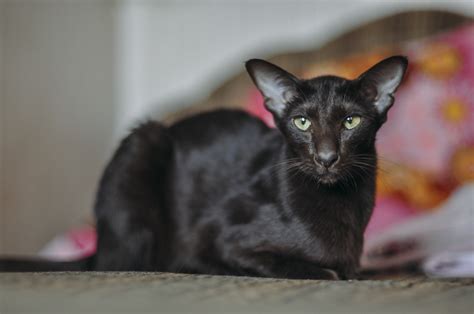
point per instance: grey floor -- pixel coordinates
(177, 293)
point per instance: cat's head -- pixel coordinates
(330, 122)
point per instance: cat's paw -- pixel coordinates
(332, 275)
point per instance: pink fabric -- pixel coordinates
(388, 211)
(76, 243)
(255, 107)
(434, 111)
(84, 239)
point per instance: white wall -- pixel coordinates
(78, 73)
(2, 103)
(59, 115)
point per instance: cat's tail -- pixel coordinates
(41, 265)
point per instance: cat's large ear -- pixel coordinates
(277, 86)
(379, 83)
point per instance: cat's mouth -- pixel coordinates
(323, 175)
(328, 176)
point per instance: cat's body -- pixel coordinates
(238, 215)
(221, 193)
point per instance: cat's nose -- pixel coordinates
(327, 158)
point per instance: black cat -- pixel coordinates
(221, 193)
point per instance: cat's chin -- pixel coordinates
(328, 179)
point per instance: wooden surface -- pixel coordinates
(178, 293)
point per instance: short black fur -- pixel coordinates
(221, 193)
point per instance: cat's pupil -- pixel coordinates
(349, 120)
(303, 121)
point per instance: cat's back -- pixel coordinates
(214, 124)
(217, 153)
(224, 136)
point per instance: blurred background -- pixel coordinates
(75, 76)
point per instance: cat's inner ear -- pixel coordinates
(379, 83)
(277, 86)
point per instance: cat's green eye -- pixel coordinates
(351, 122)
(302, 123)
